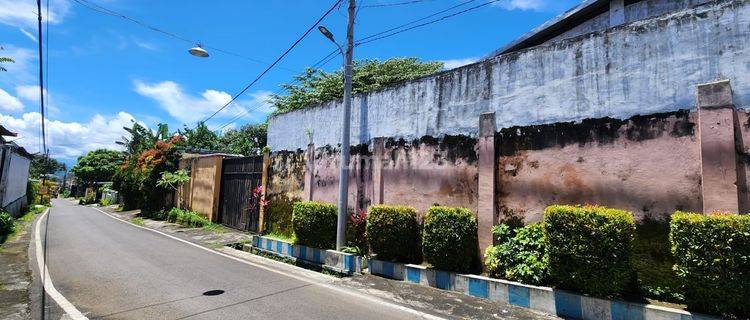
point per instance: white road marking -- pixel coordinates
(71, 311)
(371, 299)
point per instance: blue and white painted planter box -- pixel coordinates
(328, 259)
(552, 301)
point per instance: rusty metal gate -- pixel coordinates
(238, 208)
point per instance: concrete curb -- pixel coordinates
(548, 300)
(329, 259)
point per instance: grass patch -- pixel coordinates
(137, 221)
(215, 228)
(281, 236)
(20, 223)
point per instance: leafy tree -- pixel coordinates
(173, 180)
(41, 166)
(199, 138)
(248, 140)
(316, 86)
(97, 165)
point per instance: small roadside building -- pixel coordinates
(14, 174)
(202, 193)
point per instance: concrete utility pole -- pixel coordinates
(346, 120)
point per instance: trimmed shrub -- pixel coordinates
(449, 239)
(519, 254)
(589, 248)
(712, 254)
(6, 223)
(393, 233)
(314, 224)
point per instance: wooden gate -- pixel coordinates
(238, 208)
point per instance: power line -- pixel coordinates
(382, 35)
(103, 10)
(275, 62)
(393, 4)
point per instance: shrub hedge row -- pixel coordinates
(519, 254)
(449, 238)
(187, 218)
(712, 254)
(314, 224)
(393, 233)
(589, 248)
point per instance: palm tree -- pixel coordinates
(5, 60)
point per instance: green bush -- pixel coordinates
(314, 224)
(712, 254)
(393, 233)
(6, 223)
(589, 248)
(518, 255)
(187, 218)
(105, 201)
(449, 238)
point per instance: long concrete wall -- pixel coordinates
(640, 68)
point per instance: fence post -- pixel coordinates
(486, 217)
(717, 143)
(264, 184)
(309, 172)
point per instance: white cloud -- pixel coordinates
(145, 45)
(185, 107)
(22, 13)
(28, 34)
(68, 140)
(537, 5)
(9, 103)
(30, 93)
(455, 63)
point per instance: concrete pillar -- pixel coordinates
(486, 216)
(263, 196)
(616, 12)
(378, 161)
(309, 172)
(718, 154)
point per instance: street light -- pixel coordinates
(345, 124)
(198, 51)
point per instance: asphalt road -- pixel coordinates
(113, 270)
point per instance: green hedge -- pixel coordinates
(449, 239)
(589, 248)
(519, 254)
(314, 224)
(393, 233)
(186, 218)
(712, 254)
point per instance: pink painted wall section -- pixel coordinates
(423, 174)
(418, 173)
(647, 165)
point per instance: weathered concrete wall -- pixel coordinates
(18, 177)
(417, 173)
(645, 67)
(285, 186)
(647, 165)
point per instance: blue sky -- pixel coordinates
(105, 71)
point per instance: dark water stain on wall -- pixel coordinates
(508, 141)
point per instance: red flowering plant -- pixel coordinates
(258, 198)
(356, 239)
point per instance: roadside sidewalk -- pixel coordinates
(428, 300)
(15, 275)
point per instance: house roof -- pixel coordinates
(588, 9)
(6, 132)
